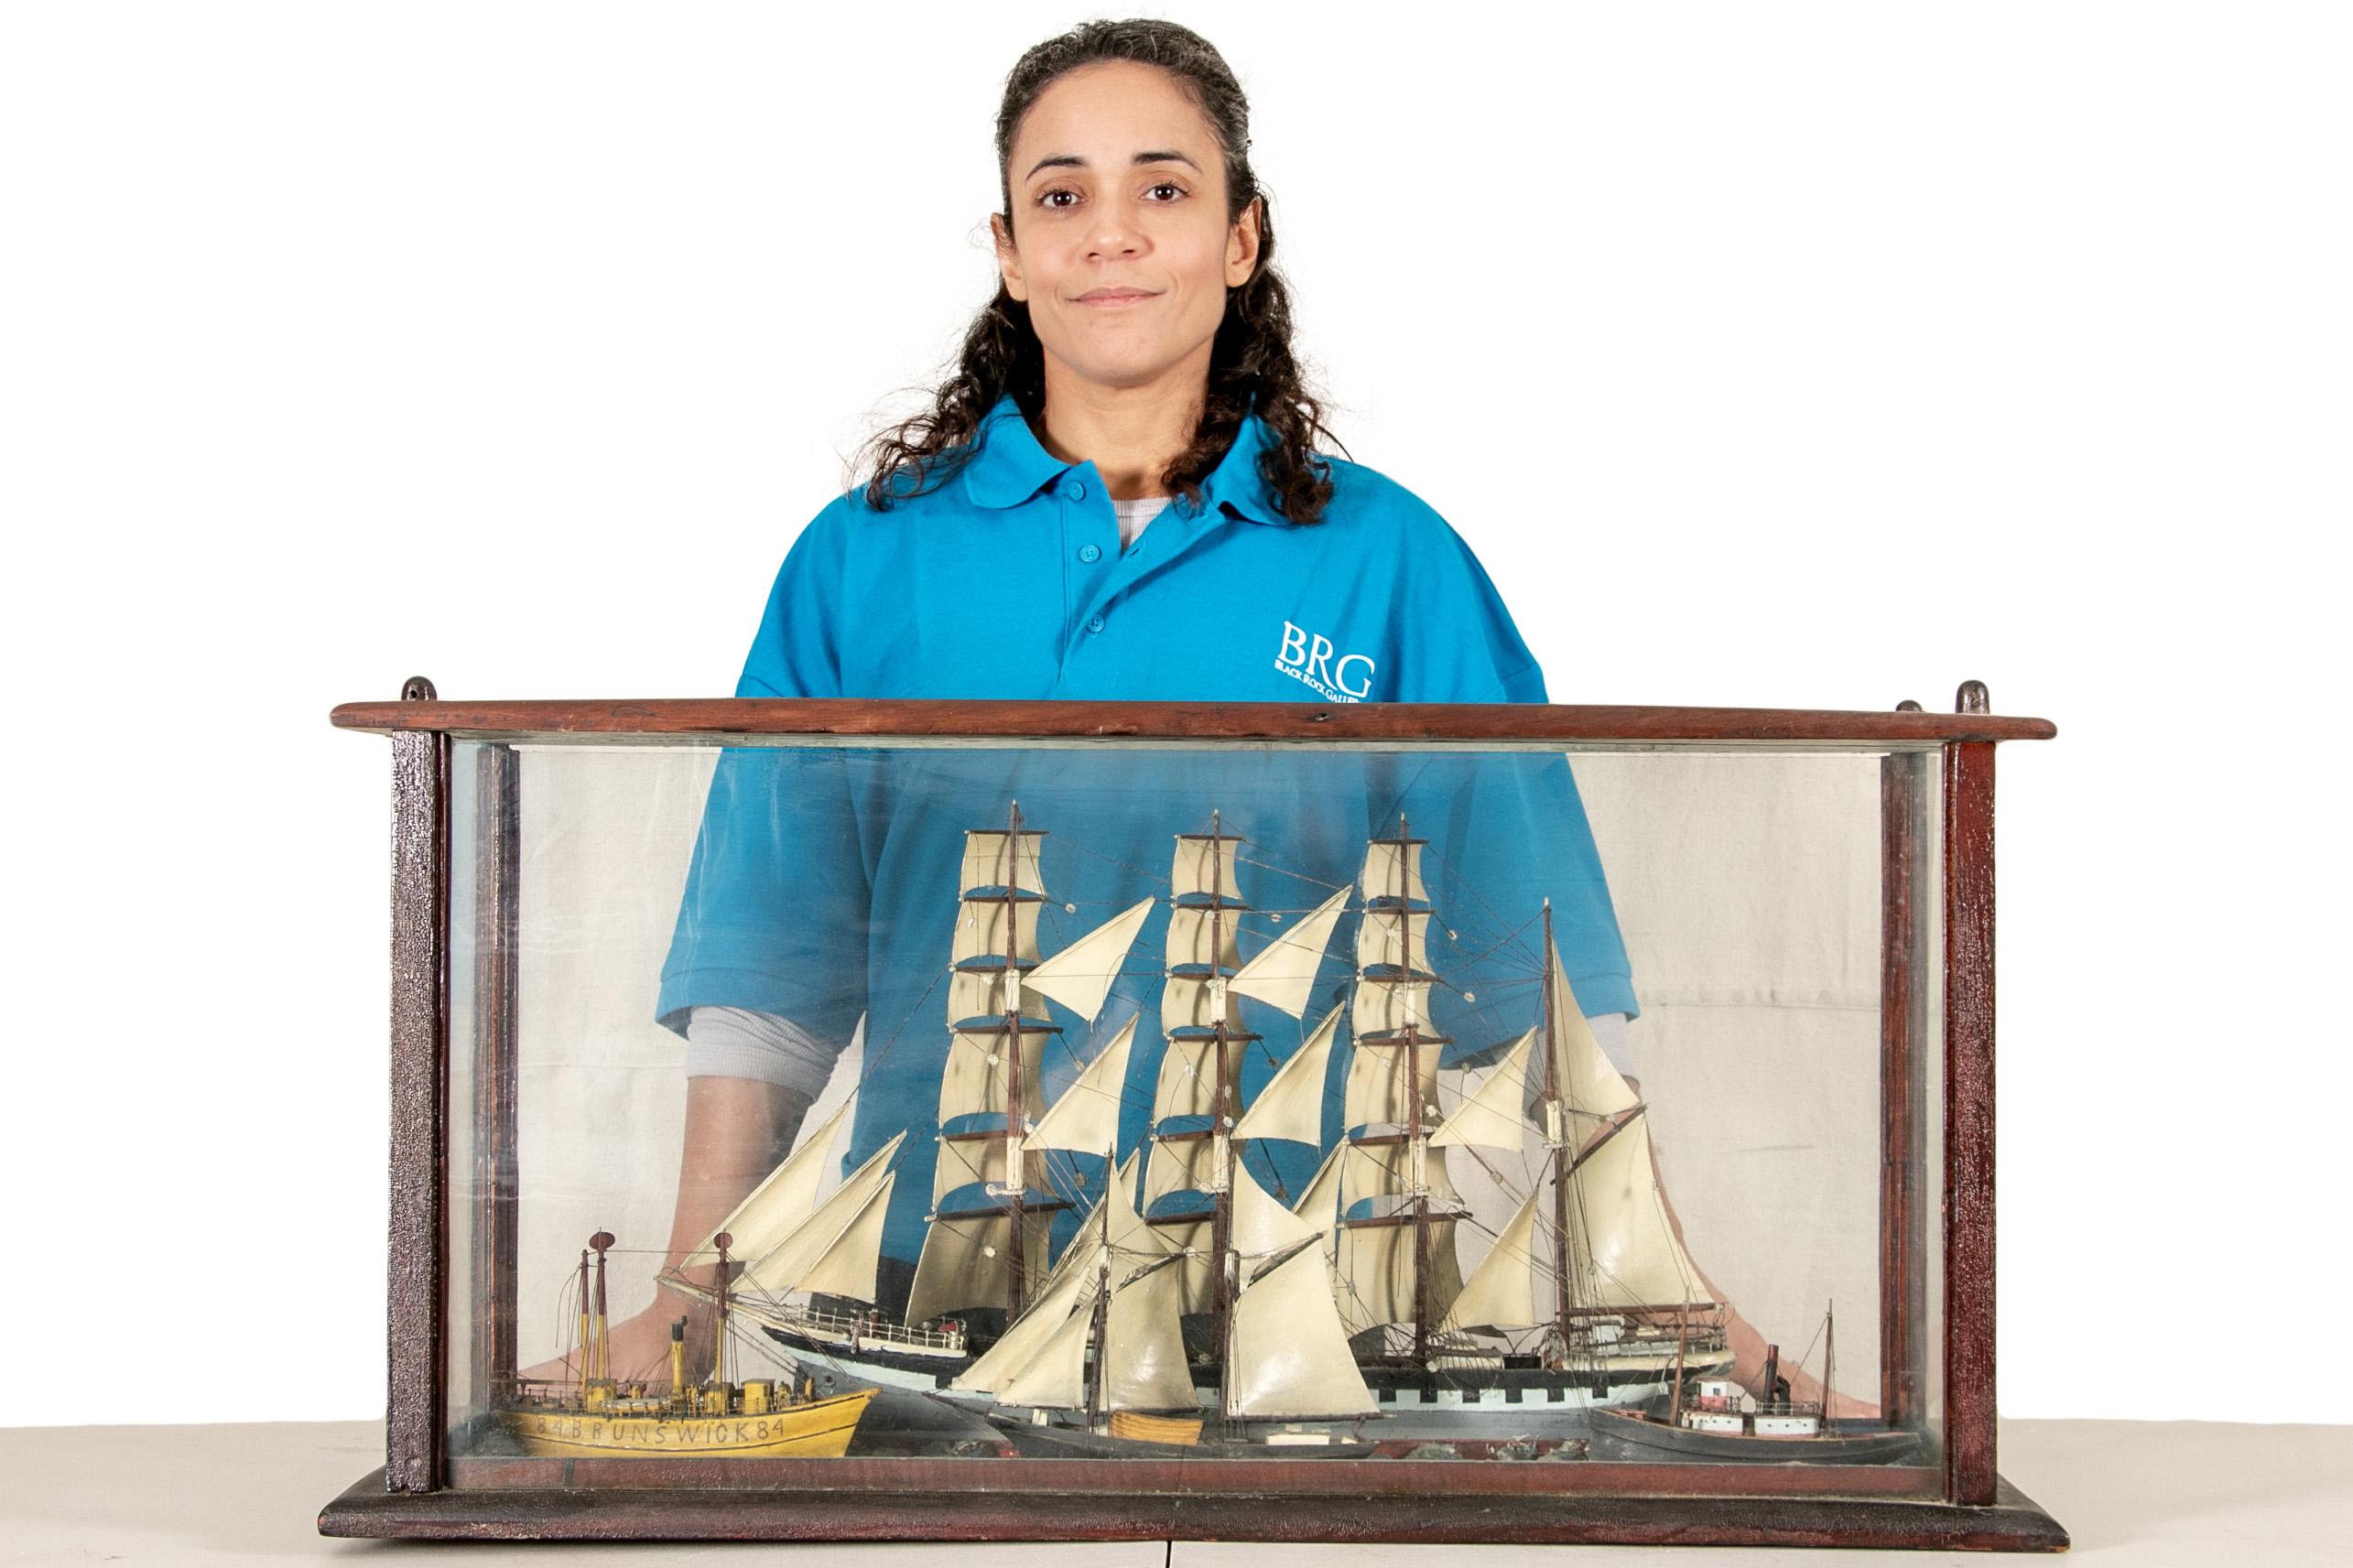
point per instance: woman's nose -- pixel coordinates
(1116, 232)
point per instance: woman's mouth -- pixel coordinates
(1114, 296)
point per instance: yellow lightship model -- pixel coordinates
(600, 1417)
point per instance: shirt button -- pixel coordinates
(1074, 490)
(1091, 552)
(1094, 623)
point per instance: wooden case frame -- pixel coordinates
(423, 1492)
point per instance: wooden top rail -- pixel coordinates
(715, 717)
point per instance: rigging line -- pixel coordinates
(1138, 871)
(1513, 937)
(1457, 880)
(875, 1056)
(574, 1357)
(1282, 871)
(1501, 1181)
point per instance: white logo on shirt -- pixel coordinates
(1307, 657)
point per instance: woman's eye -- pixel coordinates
(1165, 192)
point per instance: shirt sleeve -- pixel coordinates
(1515, 819)
(775, 912)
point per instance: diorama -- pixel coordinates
(1061, 1120)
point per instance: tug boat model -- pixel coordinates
(1308, 1318)
(1715, 1420)
(600, 1417)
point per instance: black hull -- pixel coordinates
(1626, 1437)
(915, 1371)
(1071, 1443)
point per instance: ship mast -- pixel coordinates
(1829, 1363)
(1098, 1331)
(718, 1353)
(1203, 977)
(604, 1361)
(1416, 1157)
(1388, 1089)
(1220, 1123)
(1016, 1128)
(1557, 1152)
(587, 1345)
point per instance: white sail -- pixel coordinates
(1180, 1164)
(1056, 1376)
(1086, 1116)
(1386, 1006)
(1384, 936)
(1197, 869)
(981, 994)
(847, 1268)
(1144, 1367)
(1190, 1002)
(1319, 1204)
(1392, 871)
(996, 860)
(785, 1198)
(1283, 972)
(1261, 1227)
(1495, 1117)
(1190, 930)
(1375, 1273)
(1130, 1239)
(980, 930)
(787, 1266)
(1500, 1292)
(979, 1072)
(1380, 1091)
(1197, 1271)
(1021, 1343)
(1624, 1246)
(964, 1265)
(981, 1159)
(1589, 1087)
(1384, 1173)
(1128, 1234)
(1287, 1354)
(1291, 1106)
(1187, 1080)
(1080, 976)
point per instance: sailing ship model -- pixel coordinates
(1308, 1317)
(600, 1416)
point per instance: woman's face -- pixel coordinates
(1119, 244)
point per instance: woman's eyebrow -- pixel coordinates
(1072, 160)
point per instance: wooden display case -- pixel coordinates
(510, 819)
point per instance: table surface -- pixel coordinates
(2129, 1492)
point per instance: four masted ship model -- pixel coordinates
(1203, 1314)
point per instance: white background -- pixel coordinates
(1808, 355)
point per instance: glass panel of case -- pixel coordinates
(1205, 1100)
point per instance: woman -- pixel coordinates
(1115, 496)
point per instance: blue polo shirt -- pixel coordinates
(826, 881)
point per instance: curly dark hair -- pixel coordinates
(1251, 362)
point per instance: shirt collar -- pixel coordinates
(1008, 466)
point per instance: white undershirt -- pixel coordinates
(1135, 514)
